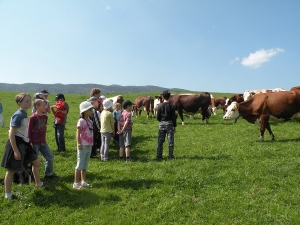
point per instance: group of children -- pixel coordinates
(27, 137)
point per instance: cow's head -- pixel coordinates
(232, 111)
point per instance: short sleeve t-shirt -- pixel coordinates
(125, 116)
(19, 119)
(86, 134)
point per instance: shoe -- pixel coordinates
(104, 160)
(13, 197)
(53, 176)
(93, 156)
(77, 186)
(85, 184)
(128, 160)
(42, 185)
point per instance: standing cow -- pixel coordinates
(260, 108)
(217, 103)
(190, 104)
(145, 103)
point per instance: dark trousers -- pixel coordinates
(60, 137)
(97, 141)
(165, 129)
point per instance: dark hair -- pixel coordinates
(126, 103)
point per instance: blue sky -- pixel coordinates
(199, 45)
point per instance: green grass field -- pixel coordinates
(221, 175)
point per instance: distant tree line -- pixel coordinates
(84, 88)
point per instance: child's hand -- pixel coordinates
(119, 132)
(17, 155)
(79, 147)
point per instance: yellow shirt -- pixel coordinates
(107, 122)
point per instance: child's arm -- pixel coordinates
(12, 139)
(78, 138)
(53, 107)
(124, 127)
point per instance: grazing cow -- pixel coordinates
(143, 103)
(117, 99)
(274, 105)
(218, 103)
(249, 94)
(190, 104)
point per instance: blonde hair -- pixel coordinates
(20, 97)
(38, 102)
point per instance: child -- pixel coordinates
(84, 138)
(37, 127)
(1, 116)
(45, 93)
(18, 151)
(167, 125)
(125, 130)
(95, 117)
(116, 114)
(107, 129)
(60, 127)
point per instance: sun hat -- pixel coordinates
(59, 96)
(126, 103)
(107, 103)
(38, 96)
(85, 106)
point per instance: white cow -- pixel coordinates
(117, 99)
(249, 94)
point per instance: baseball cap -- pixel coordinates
(93, 98)
(59, 96)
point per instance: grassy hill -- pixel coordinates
(221, 175)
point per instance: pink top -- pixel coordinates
(125, 116)
(86, 134)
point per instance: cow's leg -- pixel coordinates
(181, 116)
(205, 115)
(264, 123)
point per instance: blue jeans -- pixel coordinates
(60, 137)
(48, 155)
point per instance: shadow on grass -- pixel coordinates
(197, 157)
(60, 192)
(134, 184)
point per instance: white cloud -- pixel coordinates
(236, 59)
(107, 8)
(261, 56)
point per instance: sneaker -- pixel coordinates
(104, 160)
(42, 184)
(77, 186)
(14, 197)
(128, 160)
(85, 184)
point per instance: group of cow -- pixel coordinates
(256, 106)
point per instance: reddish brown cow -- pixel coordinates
(217, 103)
(235, 98)
(143, 103)
(190, 104)
(259, 109)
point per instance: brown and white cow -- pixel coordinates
(235, 98)
(117, 99)
(259, 109)
(218, 103)
(145, 103)
(190, 104)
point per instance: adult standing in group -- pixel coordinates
(45, 93)
(60, 124)
(95, 100)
